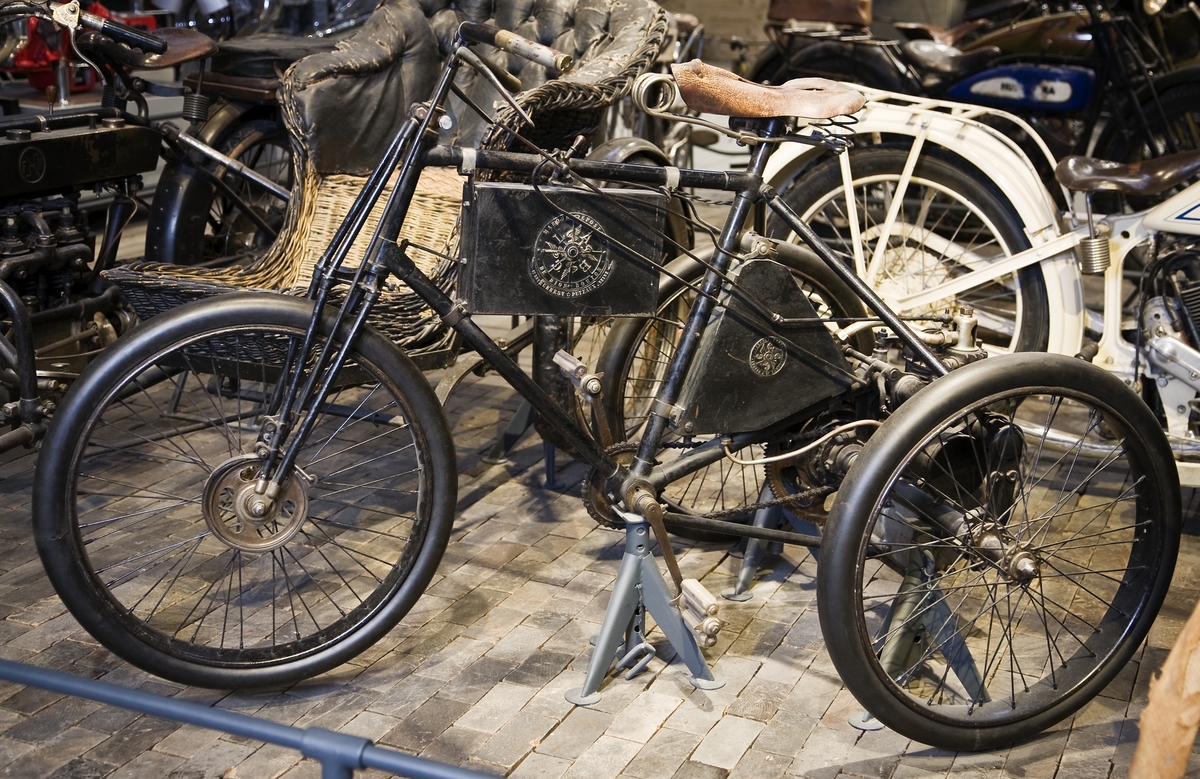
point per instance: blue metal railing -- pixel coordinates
(339, 754)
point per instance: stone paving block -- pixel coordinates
(506, 580)
(305, 769)
(759, 700)
(786, 664)
(81, 769)
(213, 762)
(267, 762)
(370, 725)
(453, 743)
(132, 740)
(11, 750)
(550, 700)
(496, 707)
(693, 770)
(604, 759)
(479, 678)
(823, 754)
(335, 711)
(471, 607)
(663, 754)
(585, 585)
(563, 568)
(52, 720)
(520, 643)
(756, 764)
(494, 625)
(1084, 766)
(724, 745)
(423, 725)
(451, 661)
(539, 668)
(617, 692)
(643, 717)
(785, 734)
(188, 740)
(576, 733)
(148, 764)
(539, 766)
(519, 736)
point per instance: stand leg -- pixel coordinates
(756, 550)
(639, 586)
(516, 428)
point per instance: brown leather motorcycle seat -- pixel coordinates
(182, 46)
(1148, 177)
(939, 58)
(265, 55)
(712, 90)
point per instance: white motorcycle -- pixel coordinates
(947, 212)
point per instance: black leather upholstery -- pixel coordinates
(363, 88)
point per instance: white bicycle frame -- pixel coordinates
(956, 128)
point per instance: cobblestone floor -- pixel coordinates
(475, 675)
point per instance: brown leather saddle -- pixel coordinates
(709, 89)
(183, 45)
(1148, 177)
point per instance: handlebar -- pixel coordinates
(70, 15)
(516, 45)
(151, 44)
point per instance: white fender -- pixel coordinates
(953, 127)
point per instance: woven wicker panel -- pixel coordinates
(431, 221)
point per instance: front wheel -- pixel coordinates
(999, 550)
(151, 530)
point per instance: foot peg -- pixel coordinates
(701, 612)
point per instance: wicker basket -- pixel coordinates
(561, 108)
(153, 287)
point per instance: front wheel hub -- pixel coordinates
(249, 521)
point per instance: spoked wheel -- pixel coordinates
(999, 550)
(944, 225)
(261, 145)
(156, 535)
(638, 351)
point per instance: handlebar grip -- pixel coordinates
(151, 44)
(515, 44)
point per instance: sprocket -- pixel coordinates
(599, 507)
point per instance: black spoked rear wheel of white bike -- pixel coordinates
(999, 551)
(152, 529)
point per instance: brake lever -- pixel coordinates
(68, 15)
(471, 58)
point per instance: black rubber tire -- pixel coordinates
(192, 223)
(156, 441)
(1014, 312)
(1087, 530)
(630, 380)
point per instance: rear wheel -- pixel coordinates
(945, 224)
(151, 528)
(638, 351)
(999, 550)
(193, 223)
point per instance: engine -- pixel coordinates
(55, 304)
(48, 258)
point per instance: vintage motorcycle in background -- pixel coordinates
(1115, 79)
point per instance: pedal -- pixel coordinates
(701, 612)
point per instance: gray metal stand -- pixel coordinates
(640, 588)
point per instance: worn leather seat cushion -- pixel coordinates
(265, 55)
